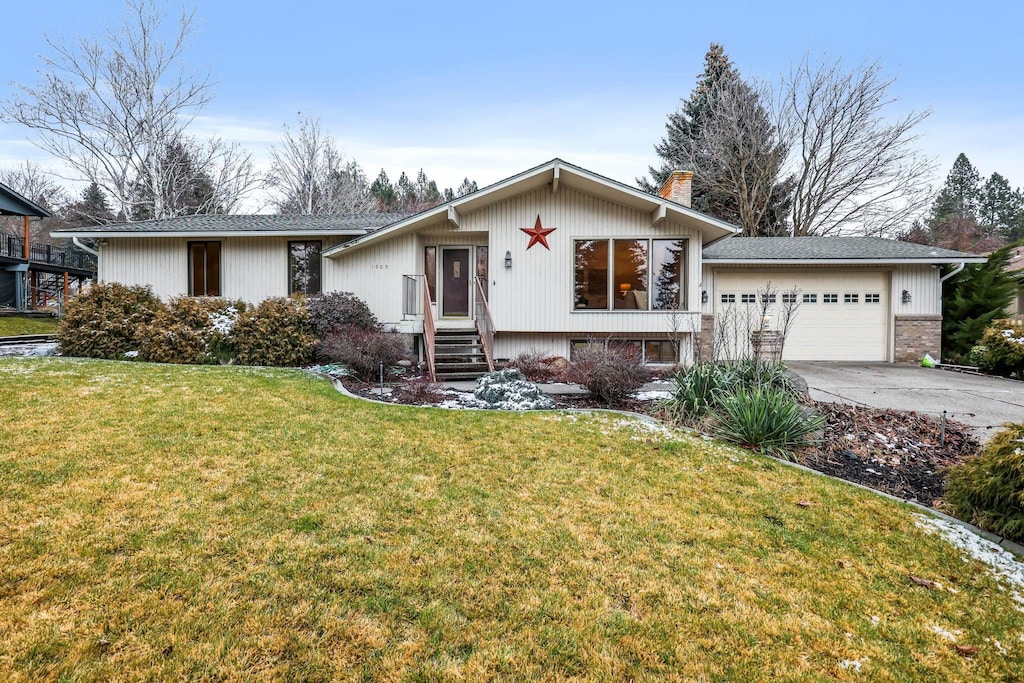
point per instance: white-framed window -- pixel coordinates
(810, 298)
(646, 274)
(748, 298)
(728, 298)
(851, 298)
(649, 350)
(789, 297)
(830, 298)
(872, 298)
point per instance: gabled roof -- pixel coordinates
(14, 204)
(233, 226)
(788, 250)
(554, 173)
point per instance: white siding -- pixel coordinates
(536, 293)
(252, 268)
(922, 284)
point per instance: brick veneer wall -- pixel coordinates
(705, 339)
(917, 335)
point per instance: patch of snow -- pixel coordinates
(34, 350)
(1001, 562)
(999, 646)
(948, 635)
(875, 620)
(853, 664)
(652, 395)
(131, 354)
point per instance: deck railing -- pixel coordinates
(13, 246)
(484, 323)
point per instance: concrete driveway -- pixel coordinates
(985, 403)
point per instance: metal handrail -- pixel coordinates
(484, 323)
(428, 331)
(13, 246)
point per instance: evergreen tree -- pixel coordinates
(467, 187)
(723, 153)
(92, 209)
(188, 188)
(972, 299)
(1001, 208)
(959, 195)
(384, 191)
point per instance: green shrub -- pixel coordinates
(190, 330)
(701, 387)
(765, 419)
(105, 320)
(610, 374)
(1001, 350)
(988, 489)
(328, 312)
(276, 333)
(363, 351)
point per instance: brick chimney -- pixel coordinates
(678, 187)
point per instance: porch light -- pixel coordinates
(704, 297)
(508, 259)
(906, 297)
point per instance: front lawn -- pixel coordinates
(11, 325)
(169, 522)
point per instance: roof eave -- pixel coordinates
(711, 228)
(844, 261)
(67, 234)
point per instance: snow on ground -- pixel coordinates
(31, 350)
(653, 395)
(639, 428)
(1001, 562)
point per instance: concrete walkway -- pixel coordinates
(984, 403)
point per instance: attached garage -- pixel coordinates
(838, 315)
(856, 299)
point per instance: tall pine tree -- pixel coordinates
(685, 145)
(960, 194)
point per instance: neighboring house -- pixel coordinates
(550, 259)
(33, 275)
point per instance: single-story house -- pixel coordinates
(550, 259)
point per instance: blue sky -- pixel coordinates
(487, 89)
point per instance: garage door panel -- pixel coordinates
(851, 330)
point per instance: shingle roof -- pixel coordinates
(250, 223)
(825, 249)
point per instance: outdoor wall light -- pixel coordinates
(508, 259)
(906, 297)
(704, 297)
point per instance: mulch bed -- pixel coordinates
(898, 452)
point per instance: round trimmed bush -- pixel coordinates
(334, 310)
(104, 321)
(275, 333)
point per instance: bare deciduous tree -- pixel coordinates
(312, 177)
(856, 169)
(110, 108)
(29, 180)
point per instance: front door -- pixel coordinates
(455, 278)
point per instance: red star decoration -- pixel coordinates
(538, 234)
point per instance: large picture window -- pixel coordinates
(622, 275)
(304, 268)
(204, 268)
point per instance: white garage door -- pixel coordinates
(841, 315)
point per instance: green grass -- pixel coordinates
(11, 325)
(168, 523)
